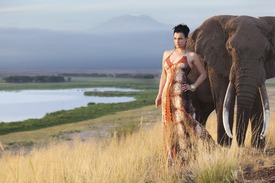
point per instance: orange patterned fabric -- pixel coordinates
(172, 66)
(177, 112)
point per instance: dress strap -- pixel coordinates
(167, 60)
(182, 60)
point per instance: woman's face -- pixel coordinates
(179, 40)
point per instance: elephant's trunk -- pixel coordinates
(246, 85)
(245, 100)
(245, 95)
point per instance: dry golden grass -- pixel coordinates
(139, 157)
(136, 158)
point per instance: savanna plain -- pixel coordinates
(124, 145)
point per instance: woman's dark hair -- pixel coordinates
(182, 28)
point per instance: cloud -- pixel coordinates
(77, 6)
(21, 8)
(31, 49)
(65, 7)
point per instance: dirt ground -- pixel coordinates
(262, 168)
(259, 169)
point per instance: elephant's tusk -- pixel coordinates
(226, 107)
(266, 110)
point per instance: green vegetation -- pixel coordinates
(143, 97)
(270, 85)
(34, 79)
(124, 128)
(86, 82)
(221, 172)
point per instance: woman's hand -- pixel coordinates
(186, 87)
(158, 102)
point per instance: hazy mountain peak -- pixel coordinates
(131, 23)
(135, 48)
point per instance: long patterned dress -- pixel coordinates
(182, 131)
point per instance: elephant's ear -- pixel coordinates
(270, 60)
(209, 41)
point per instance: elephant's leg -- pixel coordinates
(219, 85)
(202, 99)
(203, 112)
(202, 109)
(256, 118)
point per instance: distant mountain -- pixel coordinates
(131, 45)
(131, 23)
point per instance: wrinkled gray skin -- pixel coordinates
(239, 49)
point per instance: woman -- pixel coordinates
(175, 97)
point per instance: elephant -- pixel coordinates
(238, 53)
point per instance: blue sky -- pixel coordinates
(85, 14)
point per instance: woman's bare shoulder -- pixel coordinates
(166, 53)
(192, 57)
(192, 54)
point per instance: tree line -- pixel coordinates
(62, 77)
(120, 75)
(34, 79)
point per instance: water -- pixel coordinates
(27, 104)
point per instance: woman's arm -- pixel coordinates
(200, 68)
(161, 82)
(195, 60)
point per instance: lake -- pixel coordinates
(26, 104)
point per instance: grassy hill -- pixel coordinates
(136, 157)
(127, 146)
(89, 151)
